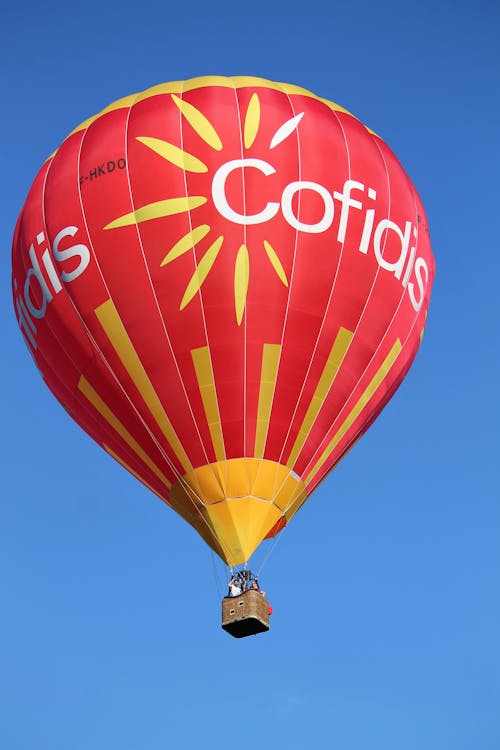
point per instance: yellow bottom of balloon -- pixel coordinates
(235, 504)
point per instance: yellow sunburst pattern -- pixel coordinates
(188, 162)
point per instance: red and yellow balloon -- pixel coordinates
(223, 281)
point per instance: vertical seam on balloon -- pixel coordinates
(377, 272)
(325, 314)
(202, 309)
(243, 188)
(205, 377)
(362, 428)
(412, 193)
(331, 296)
(388, 327)
(130, 470)
(314, 484)
(97, 348)
(94, 347)
(356, 409)
(146, 266)
(23, 263)
(24, 267)
(264, 440)
(91, 338)
(198, 512)
(322, 322)
(362, 311)
(95, 425)
(326, 380)
(292, 276)
(65, 290)
(100, 405)
(268, 373)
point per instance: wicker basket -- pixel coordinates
(246, 614)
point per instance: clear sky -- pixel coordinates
(385, 587)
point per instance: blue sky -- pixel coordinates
(385, 586)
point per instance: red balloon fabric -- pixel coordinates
(223, 281)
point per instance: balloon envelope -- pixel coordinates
(223, 281)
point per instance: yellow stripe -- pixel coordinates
(179, 87)
(174, 154)
(199, 123)
(123, 103)
(270, 361)
(109, 319)
(235, 82)
(241, 276)
(356, 411)
(130, 470)
(93, 397)
(252, 121)
(186, 243)
(339, 348)
(205, 376)
(275, 262)
(201, 272)
(158, 210)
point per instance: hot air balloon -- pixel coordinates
(223, 281)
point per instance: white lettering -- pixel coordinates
(219, 192)
(396, 266)
(367, 231)
(413, 252)
(35, 296)
(420, 266)
(80, 251)
(286, 206)
(378, 239)
(35, 273)
(345, 198)
(51, 271)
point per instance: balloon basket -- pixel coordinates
(246, 614)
